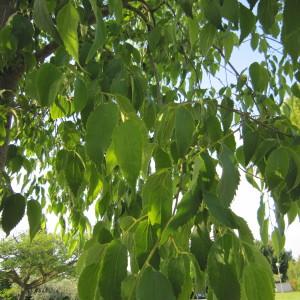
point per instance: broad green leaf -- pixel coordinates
(250, 140)
(264, 232)
(212, 12)
(80, 95)
(187, 7)
(126, 138)
(193, 31)
(247, 22)
(157, 197)
(67, 23)
(176, 273)
(48, 82)
(42, 17)
(291, 28)
(34, 214)
(207, 37)
(226, 113)
(266, 13)
(230, 10)
(222, 265)
(257, 282)
(99, 130)
(113, 270)
(13, 209)
(184, 129)
(188, 205)
(116, 7)
(278, 241)
(154, 285)
(277, 167)
(218, 211)
(259, 77)
(74, 171)
(87, 282)
(230, 177)
(100, 33)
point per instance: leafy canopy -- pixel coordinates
(112, 106)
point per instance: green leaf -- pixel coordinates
(212, 12)
(154, 285)
(126, 138)
(80, 95)
(99, 130)
(230, 177)
(34, 214)
(278, 241)
(176, 273)
(100, 33)
(12, 212)
(42, 17)
(48, 82)
(113, 270)
(266, 13)
(247, 22)
(193, 31)
(74, 171)
(259, 77)
(157, 196)
(264, 232)
(184, 129)
(222, 266)
(207, 37)
(116, 7)
(226, 113)
(87, 282)
(250, 140)
(291, 28)
(277, 167)
(67, 23)
(257, 282)
(218, 211)
(230, 10)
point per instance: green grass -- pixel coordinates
(288, 296)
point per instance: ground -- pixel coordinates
(288, 296)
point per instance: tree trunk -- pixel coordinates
(22, 295)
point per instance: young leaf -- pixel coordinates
(13, 209)
(266, 12)
(226, 113)
(247, 22)
(157, 197)
(154, 285)
(48, 81)
(99, 130)
(230, 177)
(291, 28)
(67, 23)
(257, 282)
(126, 138)
(184, 129)
(34, 214)
(113, 270)
(42, 17)
(259, 77)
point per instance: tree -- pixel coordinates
(108, 104)
(294, 274)
(30, 264)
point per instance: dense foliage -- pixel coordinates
(28, 265)
(294, 274)
(110, 105)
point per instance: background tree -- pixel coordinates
(294, 274)
(113, 105)
(30, 264)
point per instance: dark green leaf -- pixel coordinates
(13, 209)
(266, 12)
(207, 37)
(226, 113)
(154, 285)
(113, 271)
(67, 23)
(34, 214)
(250, 139)
(48, 81)
(259, 77)
(247, 22)
(80, 95)
(291, 28)
(278, 241)
(230, 177)
(116, 7)
(184, 128)
(230, 10)
(87, 282)
(99, 130)
(128, 136)
(157, 197)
